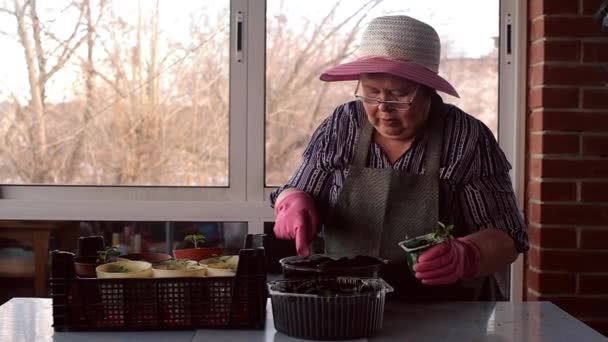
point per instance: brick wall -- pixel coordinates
(567, 173)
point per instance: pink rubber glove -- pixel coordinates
(296, 218)
(448, 262)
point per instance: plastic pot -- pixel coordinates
(416, 246)
(197, 254)
(90, 245)
(150, 257)
(328, 317)
(178, 269)
(320, 265)
(125, 269)
(85, 266)
(223, 266)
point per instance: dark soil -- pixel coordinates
(329, 288)
(327, 263)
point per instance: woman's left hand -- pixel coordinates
(448, 262)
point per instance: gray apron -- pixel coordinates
(377, 208)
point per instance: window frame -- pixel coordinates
(512, 124)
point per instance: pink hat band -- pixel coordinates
(378, 64)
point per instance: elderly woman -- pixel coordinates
(394, 163)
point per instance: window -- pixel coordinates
(194, 110)
(115, 93)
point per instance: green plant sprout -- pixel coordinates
(442, 233)
(105, 255)
(195, 239)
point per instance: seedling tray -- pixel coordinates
(159, 303)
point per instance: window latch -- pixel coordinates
(239, 37)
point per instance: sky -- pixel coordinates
(470, 33)
(471, 30)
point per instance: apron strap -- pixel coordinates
(434, 143)
(363, 143)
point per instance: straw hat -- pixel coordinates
(400, 46)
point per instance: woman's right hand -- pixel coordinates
(296, 219)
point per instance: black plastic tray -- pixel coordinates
(159, 303)
(320, 317)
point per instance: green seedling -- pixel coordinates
(416, 246)
(107, 254)
(195, 239)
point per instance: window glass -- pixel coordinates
(164, 237)
(114, 92)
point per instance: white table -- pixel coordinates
(30, 319)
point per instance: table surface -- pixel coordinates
(30, 319)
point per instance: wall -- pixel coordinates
(567, 172)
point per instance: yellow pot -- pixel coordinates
(226, 259)
(124, 269)
(223, 266)
(218, 270)
(179, 269)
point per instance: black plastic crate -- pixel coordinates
(159, 303)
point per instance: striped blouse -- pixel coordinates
(475, 188)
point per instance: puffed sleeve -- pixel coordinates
(487, 199)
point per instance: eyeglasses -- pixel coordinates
(397, 105)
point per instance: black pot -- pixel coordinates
(333, 317)
(319, 265)
(90, 245)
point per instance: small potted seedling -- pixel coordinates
(124, 269)
(198, 252)
(108, 255)
(112, 266)
(416, 246)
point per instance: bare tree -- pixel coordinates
(296, 100)
(80, 149)
(34, 119)
(170, 109)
